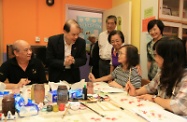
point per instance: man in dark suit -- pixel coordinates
(94, 55)
(66, 53)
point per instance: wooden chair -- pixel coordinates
(145, 81)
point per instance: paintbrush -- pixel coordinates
(92, 110)
(115, 104)
(66, 110)
(129, 80)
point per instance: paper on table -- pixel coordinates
(78, 85)
(154, 114)
(104, 87)
(66, 84)
(2, 87)
(106, 106)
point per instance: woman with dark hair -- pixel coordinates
(128, 58)
(155, 29)
(116, 39)
(170, 83)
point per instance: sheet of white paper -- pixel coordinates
(2, 87)
(154, 114)
(54, 86)
(78, 85)
(65, 83)
(104, 87)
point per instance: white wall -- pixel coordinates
(145, 37)
(123, 11)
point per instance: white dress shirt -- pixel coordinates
(67, 51)
(104, 46)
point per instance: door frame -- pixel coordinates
(1, 32)
(82, 8)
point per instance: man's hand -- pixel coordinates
(23, 82)
(69, 60)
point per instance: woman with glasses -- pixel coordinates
(116, 39)
(128, 58)
(170, 83)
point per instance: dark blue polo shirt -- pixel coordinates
(34, 72)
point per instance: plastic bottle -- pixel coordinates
(62, 94)
(84, 93)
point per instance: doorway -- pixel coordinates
(90, 21)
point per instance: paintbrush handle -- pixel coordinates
(92, 109)
(115, 104)
(66, 110)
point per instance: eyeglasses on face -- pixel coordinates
(120, 53)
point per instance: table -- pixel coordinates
(135, 110)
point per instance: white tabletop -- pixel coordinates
(135, 110)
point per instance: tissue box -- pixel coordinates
(52, 96)
(75, 93)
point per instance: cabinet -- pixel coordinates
(173, 10)
(184, 32)
(174, 15)
(172, 29)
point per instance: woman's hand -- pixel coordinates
(146, 97)
(91, 77)
(130, 89)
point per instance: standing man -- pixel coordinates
(105, 47)
(66, 53)
(22, 68)
(94, 55)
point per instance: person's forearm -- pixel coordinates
(104, 78)
(115, 84)
(148, 65)
(165, 103)
(111, 68)
(10, 85)
(141, 91)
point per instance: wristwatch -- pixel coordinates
(153, 97)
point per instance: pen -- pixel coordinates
(129, 80)
(92, 109)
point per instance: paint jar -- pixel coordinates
(8, 104)
(39, 93)
(62, 94)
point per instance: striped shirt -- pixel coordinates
(121, 77)
(178, 101)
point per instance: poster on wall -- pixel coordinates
(119, 23)
(89, 25)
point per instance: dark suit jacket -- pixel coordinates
(55, 59)
(94, 59)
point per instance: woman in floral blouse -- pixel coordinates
(155, 29)
(170, 83)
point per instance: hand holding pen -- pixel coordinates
(129, 87)
(131, 90)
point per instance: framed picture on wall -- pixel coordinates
(166, 11)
